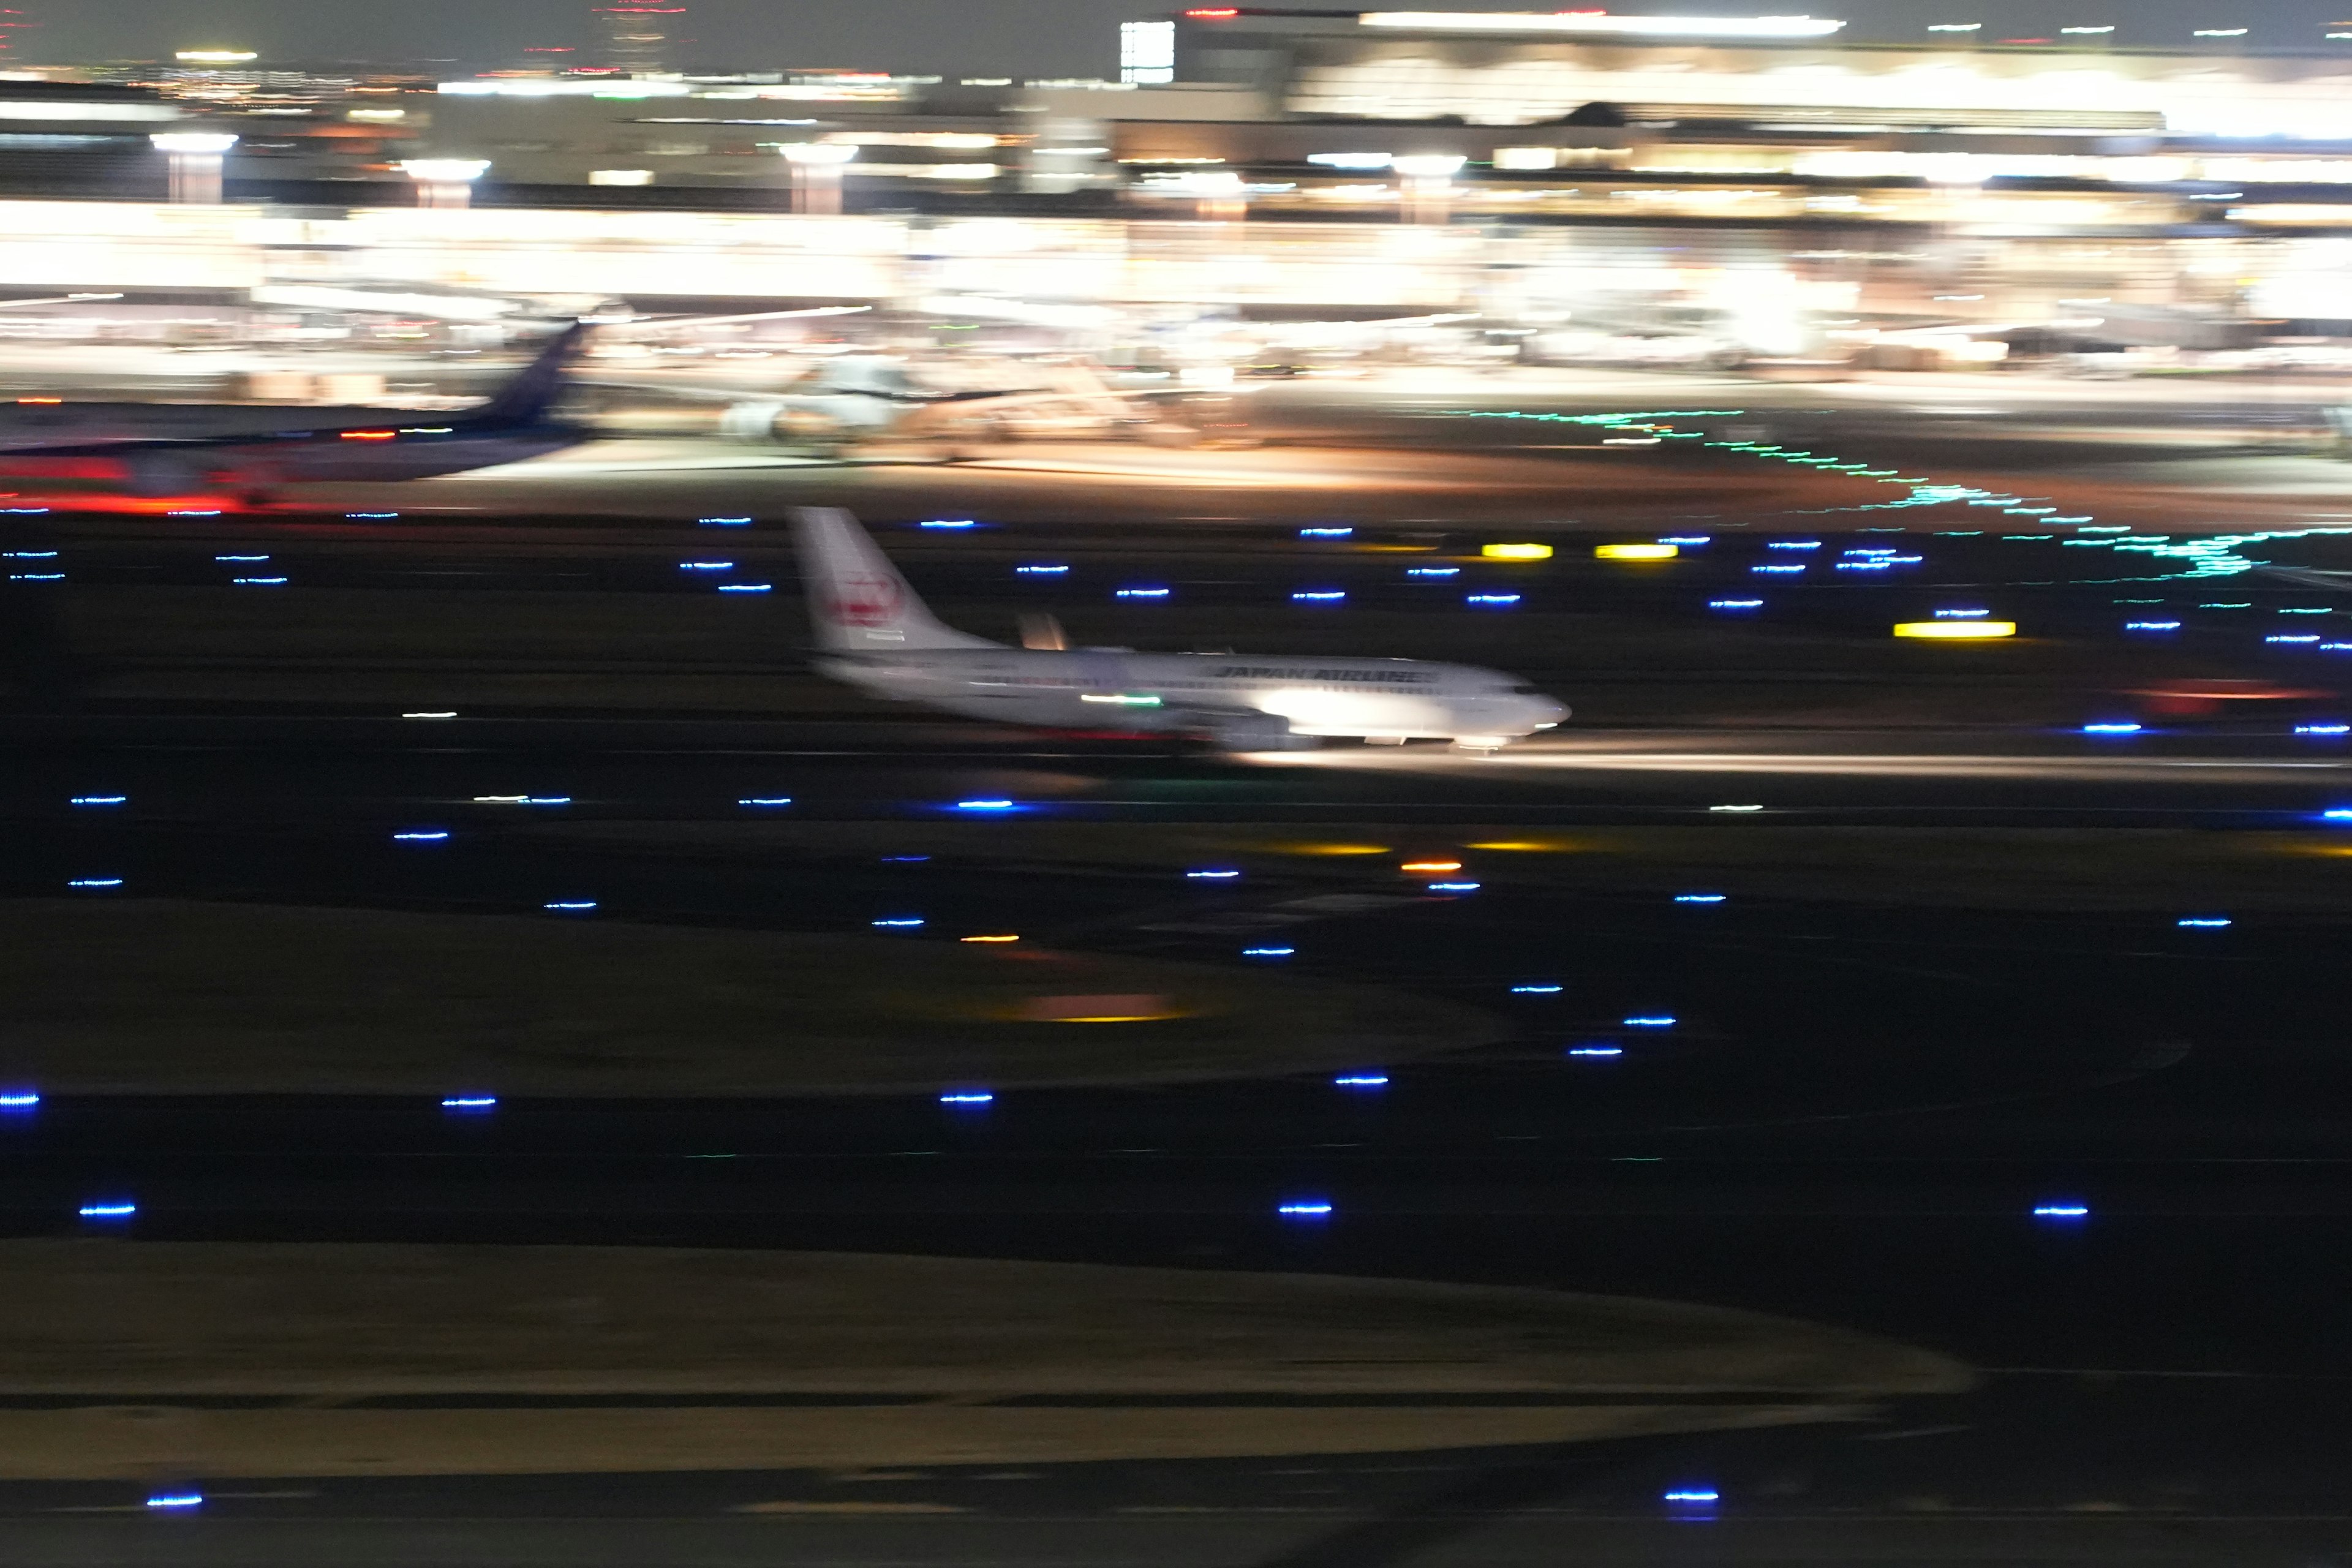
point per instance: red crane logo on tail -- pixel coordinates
(862, 599)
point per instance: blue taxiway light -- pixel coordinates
(2151, 625)
(2301, 638)
(1141, 594)
(1319, 596)
(1699, 897)
(95, 882)
(706, 566)
(1596, 1050)
(109, 1208)
(954, 522)
(1432, 571)
(904, 859)
(20, 1099)
(1536, 989)
(259, 582)
(1212, 876)
(569, 906)
(1314, 1208)
(1039, 571)
(1268, 952)
(1495, 601)
(1685, 539)
(1361, 1080)
(371, 516)
(2323, 728)
(2062, 1211)
(722, 523)
(52, 555)
(747, 587)
(1694, 1494)
(422, 836)
(100, 799)
(1325, 532)
(983, 805)
(1777, 571)
(968, 1097)
(1793, 545)
(1651, 1021)
(36, 576)
(765, 801)
(471, 1102)
(1961, 614)
(2202, 922)
(897, 922)
(1735, 604)
(1452, 886)
(2116, 728)
(169, 1501)
(241, 560)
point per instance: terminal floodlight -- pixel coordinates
(444, 182)
(817, 173)
(194, 162)
(1602, 23)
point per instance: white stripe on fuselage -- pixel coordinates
(1159, 692)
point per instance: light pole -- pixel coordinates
(196, 162)
(1428, 184)
(444, 182)
(816, 174)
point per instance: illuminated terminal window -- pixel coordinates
(1147, 52)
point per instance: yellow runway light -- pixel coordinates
(1517, 552)
(1418, 866)
(1636, 551)
(991, 939)
(1956, 631)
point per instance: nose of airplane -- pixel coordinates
(1543, 714)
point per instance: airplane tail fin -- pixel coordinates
(858, 601)
(525, 399)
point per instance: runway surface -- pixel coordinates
(1831, 1072)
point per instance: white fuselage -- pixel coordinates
(1383, 699)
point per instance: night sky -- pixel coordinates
(976, 37)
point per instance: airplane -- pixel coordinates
(856, 399)
(364, 445)
(874, 634)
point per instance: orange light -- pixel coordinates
(370, 435)
(40, 400)
(1212, 13)
(992, 939)
(1431, 866)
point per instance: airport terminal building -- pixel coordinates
(1531, 167)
